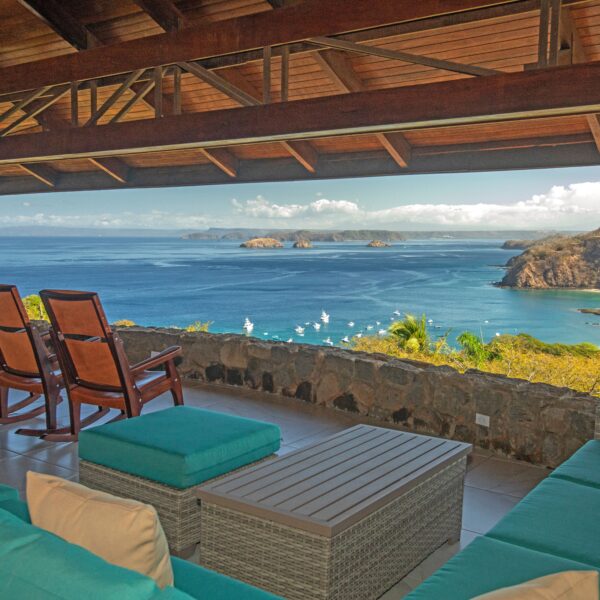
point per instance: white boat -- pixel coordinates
(290, 340)
(359, 335)
(328, 341)
(299, 329)
(351, 323)
(369, 327)
(317, 326)
(382, 332)
(430, 321)
(248, 326)
(378, 323)
(324, 317)
(346, 339)
(397, 313)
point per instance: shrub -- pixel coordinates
(35, 308)
(520, 356)
(124, 323)
(198, 326)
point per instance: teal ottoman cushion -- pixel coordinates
(35, 564)
(558, 517)
(8, 493)
(180, 446)
(583, 467)
(488, 564)
(16, 507)
(202, 584)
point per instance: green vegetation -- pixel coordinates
(35, 308)
(521, 356)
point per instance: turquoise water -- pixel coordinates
(158, 281)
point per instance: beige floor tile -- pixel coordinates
(483, 509)
(513, 478)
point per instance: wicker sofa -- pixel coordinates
(35, 564)
(554, 528)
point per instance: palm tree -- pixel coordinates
(411, 333)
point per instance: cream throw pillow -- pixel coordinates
(569, 585)
(123, 532)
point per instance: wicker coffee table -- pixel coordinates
(342, 519)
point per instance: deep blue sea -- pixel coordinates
(169, 281)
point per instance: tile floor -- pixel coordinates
(492, 487)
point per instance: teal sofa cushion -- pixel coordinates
(35, 564)
(202, 584)
(8, 493)
(583, 467)
(16, 507)
(558, 517)
(180, 446)
(488, 564)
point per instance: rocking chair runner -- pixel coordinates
(26, 364)
(94, 363)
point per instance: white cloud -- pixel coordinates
(151, 220)
(573, 206)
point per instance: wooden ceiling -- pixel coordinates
(100, 94)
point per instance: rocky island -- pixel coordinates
(303, 244)
(377, 244)
(262, 243)
(570, 262)
(589, 311)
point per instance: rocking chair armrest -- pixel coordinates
(154, 361)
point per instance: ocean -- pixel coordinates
(170, 281)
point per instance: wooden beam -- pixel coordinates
(568, 90)
(139, 94)
(57, 93)
(114, 167)
(47, 175)
(285, 74)
(339, 68)
(220, 84)
(164, 13)
(435, 63)
(266, 94)
(304, 153)
(309, 19)
(222, 158)
(58, 18)
(110, 101)
(365, 164)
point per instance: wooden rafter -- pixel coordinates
(115, 167)
(222, 158)
(57, 17)
(330, 167)
(436, 63)
(570, 90)
(47, 175)
(578, 54)
(339, 68)
(164, 13)
(309, 19)
(236, 87)
(55, 95)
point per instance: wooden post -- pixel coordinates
(158, 92)
(267, 75)
(93, 97)
(555, 32)
(543, 33)
(176, 90)
(285, 73)
(74, 104)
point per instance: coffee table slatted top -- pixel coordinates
(326, 487)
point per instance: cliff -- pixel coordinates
(262, 243)
(559, 262)
(377, 244)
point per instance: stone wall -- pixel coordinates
(533, 422)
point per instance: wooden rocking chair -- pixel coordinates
(95, 366)
(26, 364)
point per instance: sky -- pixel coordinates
(555, 199)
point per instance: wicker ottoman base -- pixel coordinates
(360, 563)
(178, 509)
